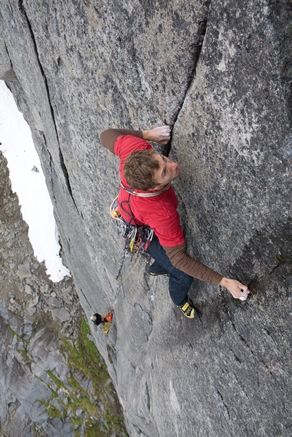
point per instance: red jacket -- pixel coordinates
(158, 212)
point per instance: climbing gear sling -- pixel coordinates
(137, 238)
(146, 194)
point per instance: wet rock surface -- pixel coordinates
(220, 75)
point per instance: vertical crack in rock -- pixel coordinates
(241, 338)
(250, 350)
(237, 358)
(147, 396)
(22, 10)
(81, 292)
(198, 43)
(66, 175)
(42, 134)
(222, 399)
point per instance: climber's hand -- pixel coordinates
(159, 134)
(236, 288)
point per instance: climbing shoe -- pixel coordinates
(156, 271)
(188, 310)
(158, 274)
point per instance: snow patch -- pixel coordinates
(28, 182)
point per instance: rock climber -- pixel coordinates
(105, 319)
(146, 198)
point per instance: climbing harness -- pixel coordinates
(137, 238)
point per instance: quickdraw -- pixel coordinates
(137, 238)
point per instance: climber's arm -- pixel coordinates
(109, 136)
(159, 135)
(181, 260)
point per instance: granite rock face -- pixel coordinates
(42, 388)
(220, 74)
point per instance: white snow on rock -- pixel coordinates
(28, 182)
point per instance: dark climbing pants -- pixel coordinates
(179, 282)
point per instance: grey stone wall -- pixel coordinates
(220, 74)
(42, 389)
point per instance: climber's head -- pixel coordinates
(148, 170)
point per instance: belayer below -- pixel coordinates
(105, 319)
(146, 198)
